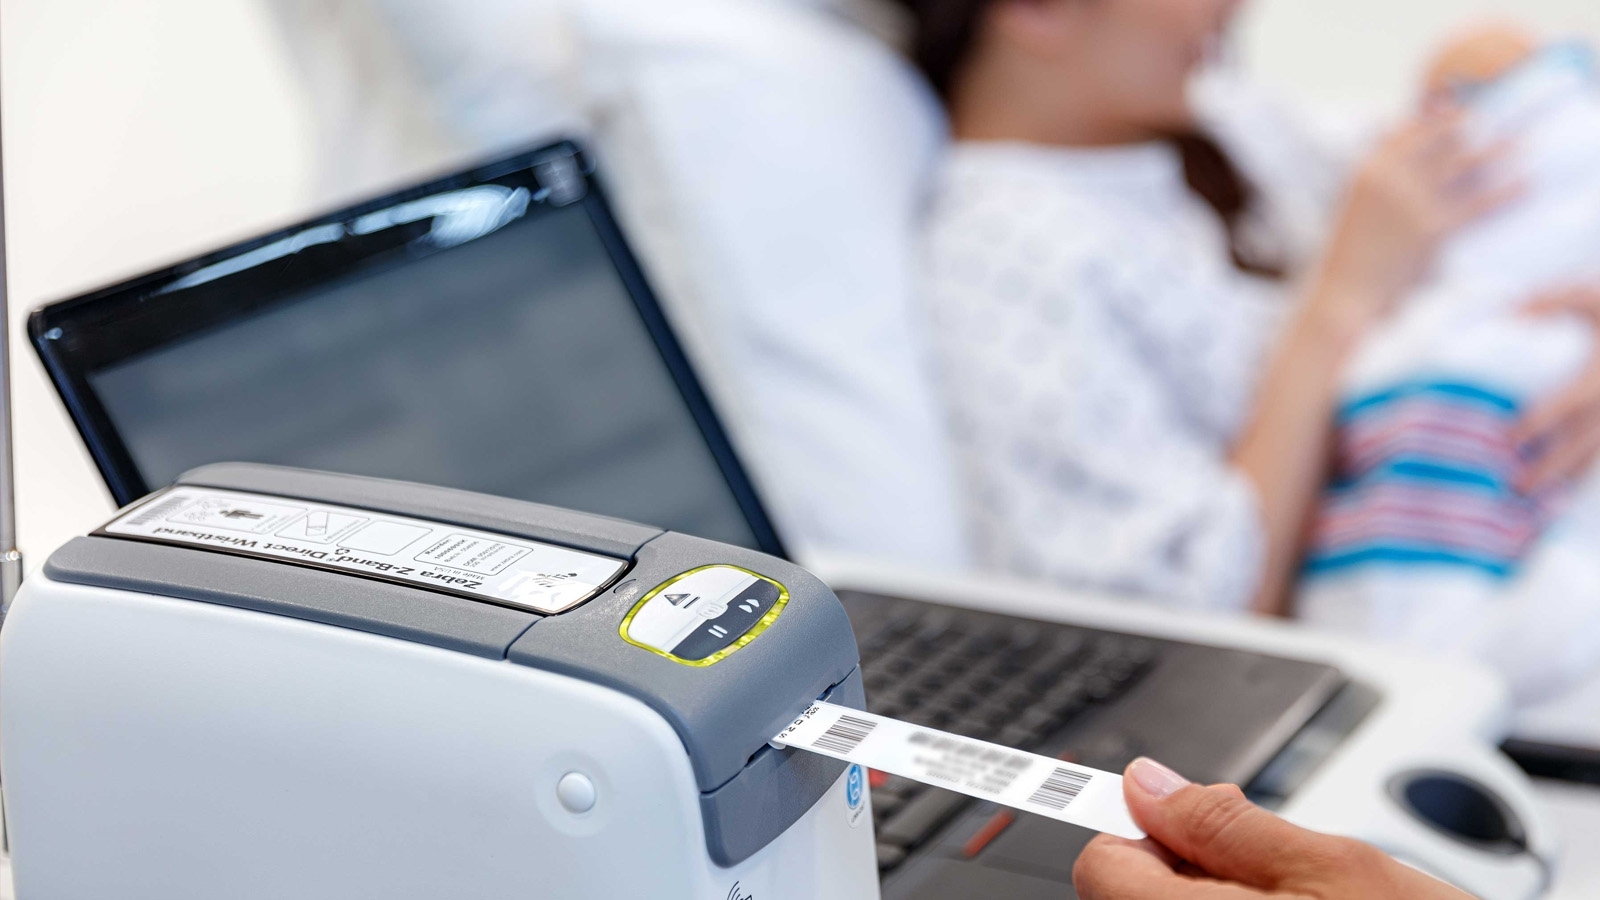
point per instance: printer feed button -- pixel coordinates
(576, 792)
(703, 615)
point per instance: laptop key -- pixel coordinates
(900, 785)
(973, 728)
(885, 805)
(1018, 737)
(1140, 653)
(889, 856)
(921, 817)
(908, 698)
(1015, 698)
(961, 701)
(897, 665)
(889, 710)
(1101, 688)
(877, 682)
(985, 684)
(1066, 709)
(983, 644)
(1040, 721)
(996, 716)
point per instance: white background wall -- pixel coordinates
(137, 133)
(1367, 52)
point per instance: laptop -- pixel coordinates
(491, 331)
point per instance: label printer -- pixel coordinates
(272, 683)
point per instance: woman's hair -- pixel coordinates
(943, 36)
(1212, 176)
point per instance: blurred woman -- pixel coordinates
(1140, 343)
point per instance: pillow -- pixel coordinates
(499, 73)
(768, 161)
(778, 160)
(376, 120)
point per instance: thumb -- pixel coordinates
(1217, 829)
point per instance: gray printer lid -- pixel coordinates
(724, 713)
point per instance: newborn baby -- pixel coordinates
(1423, 536)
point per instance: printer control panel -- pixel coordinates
(701, 616)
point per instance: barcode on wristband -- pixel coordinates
(1062, 787)
(846, 734)
(1005, 775)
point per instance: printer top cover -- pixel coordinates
(726, 644)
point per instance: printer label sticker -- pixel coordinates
(322, 527)
(463, 551)
(1038, 784)
(237, 514)
(385, 538)
(703, 615)
(449, 559)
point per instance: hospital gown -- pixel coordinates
(1098, 352)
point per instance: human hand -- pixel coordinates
(1561, 434)
(1421, 185)
(1477, 55)
(1210, 843)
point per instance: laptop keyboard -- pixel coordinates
(1013, 683)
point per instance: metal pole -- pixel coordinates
(10, 556)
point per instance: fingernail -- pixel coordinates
(1155, 779)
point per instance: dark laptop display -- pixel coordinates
(487, 332)
(491, 331)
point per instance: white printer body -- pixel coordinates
(582, 712)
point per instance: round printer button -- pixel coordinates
(576, 792)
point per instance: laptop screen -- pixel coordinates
(501, 348)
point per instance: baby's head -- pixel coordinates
(1478, 55)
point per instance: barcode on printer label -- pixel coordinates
(438, 556)
(1050, 787)
(1060, 788)
(155, 512)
